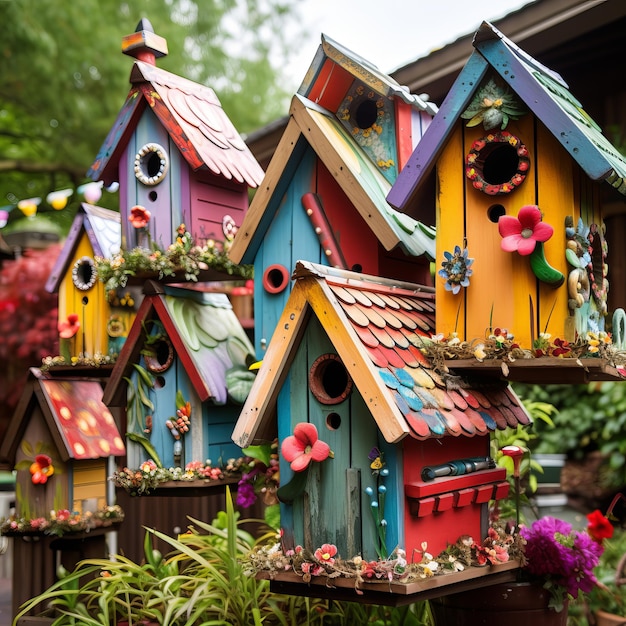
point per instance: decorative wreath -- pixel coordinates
(84, 273)
(480, 151)
(145, 155)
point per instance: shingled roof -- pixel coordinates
(377, 327)
(194, 119)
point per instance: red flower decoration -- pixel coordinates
(599, 527)
(521, 233)
(70, 327)
(303, 447)
(139, 216)
(41, 469)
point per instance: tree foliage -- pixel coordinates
(64, 77)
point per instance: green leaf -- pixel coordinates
(291, 490)
(147, 446)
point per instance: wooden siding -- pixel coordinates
(92, 336)
(89, 483)
(502, 284)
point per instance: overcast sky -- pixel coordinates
(391, 33)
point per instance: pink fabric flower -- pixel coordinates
(521, 233)
(326, 553)
(303, 447)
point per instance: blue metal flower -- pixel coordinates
(456, 269)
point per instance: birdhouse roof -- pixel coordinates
(543, 91)
(377, 327)
(363, 184)
(81, 425)
(365, 71)
(206, 336)
(194, 119)
(102, 227)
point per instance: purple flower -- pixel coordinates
(564, 556)
(245, 494)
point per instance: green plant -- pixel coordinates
(203, 581)
(590, 417)
(524, 438)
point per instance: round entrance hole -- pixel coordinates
(275, 278)
(329, 380)
(497, 164)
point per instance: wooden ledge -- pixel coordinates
(392, 593)
(543, 370)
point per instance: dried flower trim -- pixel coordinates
(480, 151)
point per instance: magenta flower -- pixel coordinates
(303, 447)
(521, 233)
(562, 555)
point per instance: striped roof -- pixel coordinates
(377, 327)
(194, 119)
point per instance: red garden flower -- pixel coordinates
(599, 527)
(139, 216)
(521, 233)
(303, 447)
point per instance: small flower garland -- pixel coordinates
(63, 522)
(478, 153)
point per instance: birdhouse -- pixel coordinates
(101, 318)
(518, 164)
(350, 130)
(411, 460)
(175, 154)
(182, 377)
(59, 440)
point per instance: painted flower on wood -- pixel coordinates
(456, 269)
(304, 446)
(521, 233)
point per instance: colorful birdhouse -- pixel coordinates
(182, 377)
(350, 130)
(59, 440)
(518, 165)
(91, 320)
(176, 155)
(410, 456)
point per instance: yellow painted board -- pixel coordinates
(93, 314)
(555, 198)
(450, 231)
